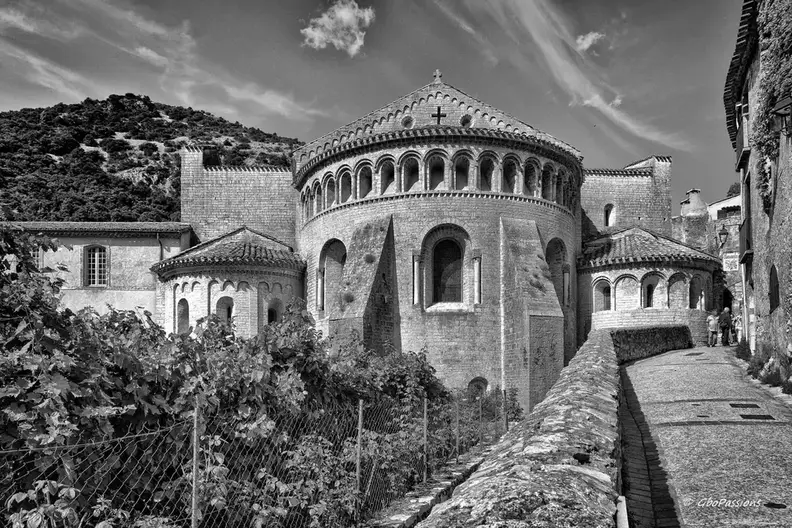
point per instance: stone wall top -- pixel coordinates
(560, 466)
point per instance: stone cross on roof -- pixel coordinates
(438, 77)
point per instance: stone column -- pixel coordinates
(320, 289)
(416, 279)
(448, 175)
(474, 178)
(497, 178)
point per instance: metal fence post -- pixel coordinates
(425, 440)
(359, 443)
(481, 419)
(194, 507)
(456, 404)
(505, 411)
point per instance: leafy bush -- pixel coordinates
(756, 364)
(38, 187)
(743, 351)
(72, 379)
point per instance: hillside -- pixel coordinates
(115, 159)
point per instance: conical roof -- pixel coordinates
(242, 246)
(635, 244)
(437, 104)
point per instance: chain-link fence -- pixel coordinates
(320, 464)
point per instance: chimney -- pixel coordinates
(694, 205)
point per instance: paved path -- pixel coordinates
(701, 440)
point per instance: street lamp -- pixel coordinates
(782, 114)
(723, 234)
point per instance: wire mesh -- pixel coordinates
(329, 463)
(134, 480)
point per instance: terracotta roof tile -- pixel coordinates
(122, 229)
(636, 244)
(242, 246)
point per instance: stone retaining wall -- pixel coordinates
(560, 467)
(637, 343)
(696, 320)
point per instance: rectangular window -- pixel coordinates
(96, 267)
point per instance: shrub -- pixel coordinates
(772, 378)
(755, 365)
(743, 350)
(786, 387)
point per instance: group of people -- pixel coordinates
(723, 323)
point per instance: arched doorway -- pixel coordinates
(728, 299)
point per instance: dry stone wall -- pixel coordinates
(560, 466)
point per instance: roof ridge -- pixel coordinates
(246, 168)
(657, 236)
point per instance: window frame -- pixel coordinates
(87, 268)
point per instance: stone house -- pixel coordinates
(436, 222)
(765, 254)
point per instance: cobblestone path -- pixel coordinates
(705, 446)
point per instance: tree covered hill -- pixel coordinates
(115, 159)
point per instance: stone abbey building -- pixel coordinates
(436, 222)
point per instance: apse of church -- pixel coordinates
(435, 223)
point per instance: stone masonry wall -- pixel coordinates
(642, 200)
(252, 294)
(463, 340)
(770, 236)
(560, 466)
(638, 343)
(695, 320)
(130, 281)
(218, 200)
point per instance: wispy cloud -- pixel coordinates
(167, 54)
(42, 72)
(584, 42)
(483, 45)
(540, 30)
(343, 26)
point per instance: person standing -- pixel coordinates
(724, 322)
(712, 328)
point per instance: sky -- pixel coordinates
(618, 79)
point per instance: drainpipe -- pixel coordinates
(162, 250)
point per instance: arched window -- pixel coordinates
(559, 193)
(509, 180)
(548, 182)
(96, 268)
(486, 168)
(274, 311)
(695, 294)
(775, 294)
(461, 173)
(651, 291)
(330, 192)
(365, 182)
(346, 187)
(225, 309)
(330, 274)
(447, 272)
(602, 296)
(411, 175)
(477, 387)
(182, 317)
(318, 197)
(531, 183)
(436, 172)
(608, 215)
(387, 178)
